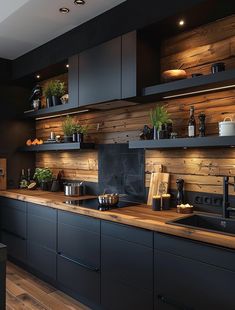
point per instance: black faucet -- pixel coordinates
(226, 204)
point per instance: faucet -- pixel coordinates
(226, 204)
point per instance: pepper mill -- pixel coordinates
(180, 193)
(202, 125)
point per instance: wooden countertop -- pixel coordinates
(140, 216)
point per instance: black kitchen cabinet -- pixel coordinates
(100, 73)
(3, 258)
(14, 228)
(192, 276)
(42, 239)
(126, 267)
(79, 255)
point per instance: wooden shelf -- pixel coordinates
(62, 108)
(191, 86)
(205, 142)
(57, 147)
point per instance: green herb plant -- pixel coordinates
(69, 126)
(54, 88)
(158, 117)
(43, 175)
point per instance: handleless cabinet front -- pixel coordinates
(79, 255)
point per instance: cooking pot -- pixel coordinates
(108, 199)
(227, 127)
(73, 189)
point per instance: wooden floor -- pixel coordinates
(26, 292)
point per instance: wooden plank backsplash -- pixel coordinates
(201, 169)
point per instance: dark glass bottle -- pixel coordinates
(191, 124)
(29, 175)
(180, 191)
(202, 125)
(23, 179)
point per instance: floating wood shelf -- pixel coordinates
(191, 86)
(205, 142)
(59, 109)
(57, 147)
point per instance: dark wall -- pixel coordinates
(128, 16)
(14, 131)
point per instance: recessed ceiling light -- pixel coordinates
(38, 76)
(67, 66)
(64, 10)
(181, 23)
(81, 2)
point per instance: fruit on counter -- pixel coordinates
(32, 185)
(36, 141)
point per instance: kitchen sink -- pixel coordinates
(206, 222)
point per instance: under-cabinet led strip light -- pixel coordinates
(200, 91)
(64, 114)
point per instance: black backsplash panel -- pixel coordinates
(121, 170)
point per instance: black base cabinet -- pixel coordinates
(192, 276)
(13, 214)
(126, 267)
(78, 260)
(42, 240)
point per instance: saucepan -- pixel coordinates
(73, 189)
(108, 199)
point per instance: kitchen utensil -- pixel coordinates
(158, 185)
(174, 75)
(73, 189)
(218, 67)
(108, 199)
(227, 127)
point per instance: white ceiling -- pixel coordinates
(27, 24)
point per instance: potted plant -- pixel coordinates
(159, 118)
(81, 131)
(54, 91)
(43, 176)
(69, 128)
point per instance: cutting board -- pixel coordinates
(159, 184)
(3, 174)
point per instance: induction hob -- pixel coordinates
(94, 204)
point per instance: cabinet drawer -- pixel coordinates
(42, 226)
(81, 280)
(76, 241)
(42, 260)
(16, 247)
(13, 217)
(186, 284)
(127, 233)
(127, 262)
(209, 254)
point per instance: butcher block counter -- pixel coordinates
(140, 216)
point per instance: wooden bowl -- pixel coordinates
(174, 75)
(184, 210)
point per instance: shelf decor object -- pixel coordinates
(199, 142)
(57, 147)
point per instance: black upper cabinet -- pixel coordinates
(100, 73)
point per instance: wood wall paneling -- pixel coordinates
(201, 169)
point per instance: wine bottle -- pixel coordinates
(191, 124)
(23, 179)
(28, 175)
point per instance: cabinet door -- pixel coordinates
(79, 255)
(185, 284)
(126, 267)
(42, 230)
(100, 73)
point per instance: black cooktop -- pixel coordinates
(94, 204)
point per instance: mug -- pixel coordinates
(227, 127)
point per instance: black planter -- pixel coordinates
(56, 100)
(46, 185)
(49, 102)
(80, 137)
(68, 139)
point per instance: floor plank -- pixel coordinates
(26, 292)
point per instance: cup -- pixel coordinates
(156, 203)
(218, 67)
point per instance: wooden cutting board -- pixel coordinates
(3, 174)
(159, 184)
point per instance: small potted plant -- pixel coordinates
(54, 91)
(159, 118)
(44, 177)
(81, 131)
(69, 128)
